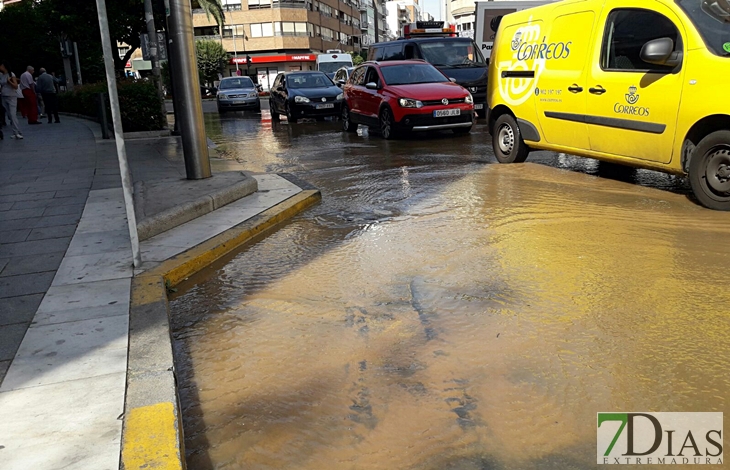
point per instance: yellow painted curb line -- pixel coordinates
(152, 433)
(148, 442)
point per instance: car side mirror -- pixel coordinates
(371, 86)
(452, 79)
(340, 83)
(661, 52)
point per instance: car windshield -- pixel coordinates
(410, 74)
(712, 20)
(231, 83)
(452, 52)
(308, 80)
(331, 67)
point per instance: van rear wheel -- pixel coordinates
(709, 171)
(507, 141)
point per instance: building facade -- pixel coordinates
(402, 12)
(265, 37)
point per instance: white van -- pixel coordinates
(333, 60)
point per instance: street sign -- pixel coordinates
(161, 46)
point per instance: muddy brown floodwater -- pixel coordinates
(439, 311)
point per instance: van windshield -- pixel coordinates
(452, 52)
(712, 20)
(332, 67)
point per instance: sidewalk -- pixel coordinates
(67, 288)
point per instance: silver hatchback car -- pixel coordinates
(238, 93)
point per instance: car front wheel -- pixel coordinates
(507, 141)
(386, 123)
(709, 171)
(347, 124)
(289, 116)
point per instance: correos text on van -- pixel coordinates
(639, 82)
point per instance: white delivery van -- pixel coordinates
(331, 61)
(488, 15)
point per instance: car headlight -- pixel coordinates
(301, 99)
(340, 97)
(469, 99)
(409, 103)
(222, 97)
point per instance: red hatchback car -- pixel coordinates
(406, 95)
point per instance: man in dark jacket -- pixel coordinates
(46, 86)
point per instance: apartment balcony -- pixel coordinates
(363, 5)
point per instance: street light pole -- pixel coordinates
(187, 91)
(119, 132)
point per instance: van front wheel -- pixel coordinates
(709, 171)
(507, 141)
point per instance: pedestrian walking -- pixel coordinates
(46, 86)
(27, 86)
(9, 86)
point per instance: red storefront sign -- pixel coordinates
(275, 58)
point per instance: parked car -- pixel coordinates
(304, 94)
(342, 75)
(238, 93)
(403, 96)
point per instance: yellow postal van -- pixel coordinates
(640, 82)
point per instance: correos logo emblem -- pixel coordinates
(516, 40)
(632, 98)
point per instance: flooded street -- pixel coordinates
(441, 311)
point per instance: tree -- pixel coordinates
(211, 58)
(357, 58)
(212, 8)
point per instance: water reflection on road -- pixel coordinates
(437, 311)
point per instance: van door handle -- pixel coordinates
(598, 90)
(575, 88)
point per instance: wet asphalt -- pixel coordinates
(439, 310)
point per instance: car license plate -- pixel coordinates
(325, 106)
(446, 112)
(479, 106)
(239, 101)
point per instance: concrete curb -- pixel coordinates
(152, 435)
(178, 215)
(127, 135)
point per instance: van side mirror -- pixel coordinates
(371, 86)
(661, 52)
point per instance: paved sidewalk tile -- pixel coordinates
(32, 264)
(14, 286)
(10, 339)
(35, 435)
(19, 309)
(58, 231)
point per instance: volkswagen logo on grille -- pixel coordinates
(444, 101)
(324, 99)
(473, 89)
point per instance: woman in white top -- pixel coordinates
(9, 93)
